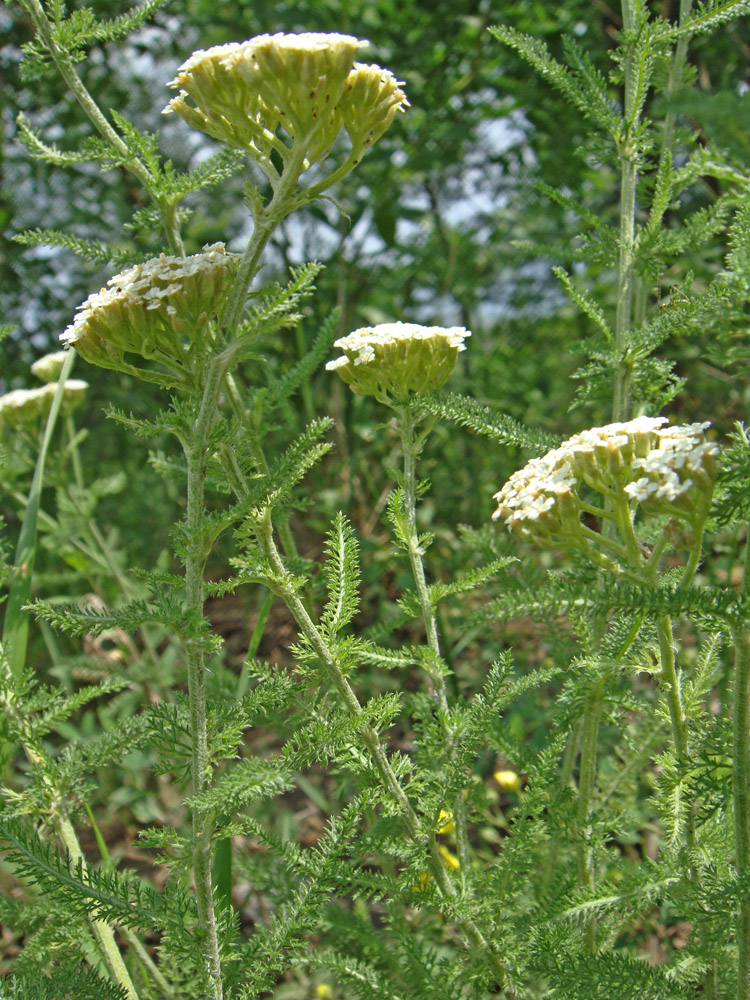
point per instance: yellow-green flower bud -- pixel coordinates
(26, 407)
(304, 86)
(161, 310)
(395, 360)
(243, 91)
(48, 368)
(371, 98)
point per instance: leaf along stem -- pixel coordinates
(66, 69)
(371, 739)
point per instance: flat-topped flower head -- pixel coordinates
(664, 470)
(395, 360)
(48, 368)
(27, 407)
(161, 310)
(243, 91)
(303, 86)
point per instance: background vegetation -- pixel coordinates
(457, 216)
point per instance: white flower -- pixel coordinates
(641, 459)
(158, 309)
(393, 360)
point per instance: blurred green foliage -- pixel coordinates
(448, 220)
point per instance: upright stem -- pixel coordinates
(671, 682)
(196, 453)
(266, 221)
(741, 789)
(286, 590)
(411, 448)
(586, 786)
(407, 426)
(103, 933)
(67, 71)
(625, 267)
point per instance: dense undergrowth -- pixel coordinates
(286, 713)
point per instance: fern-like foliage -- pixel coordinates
(342, 576)
(67, 978)
(108, 895)
(484, 420)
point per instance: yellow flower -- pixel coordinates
(323, 991)
(445, 822)
(424, 881)
(450, 860)
(508, 780)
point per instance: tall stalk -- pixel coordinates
(741, 786)
(66, 68)
(285, 589)
(741, 789)
(620, 407)
(196, 454)
(626, 264)
(411, 447)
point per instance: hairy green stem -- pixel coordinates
(625, 266)
(592, 714)
(196, 454)
(266, 220)
(411, 448)
(102, 931)
(741, 790)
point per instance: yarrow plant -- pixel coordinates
(493, 829)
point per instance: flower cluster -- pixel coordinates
(665, 470)
(393, 360)
(48, 368)
(306, 84)
(25, 407)
(160, 310)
